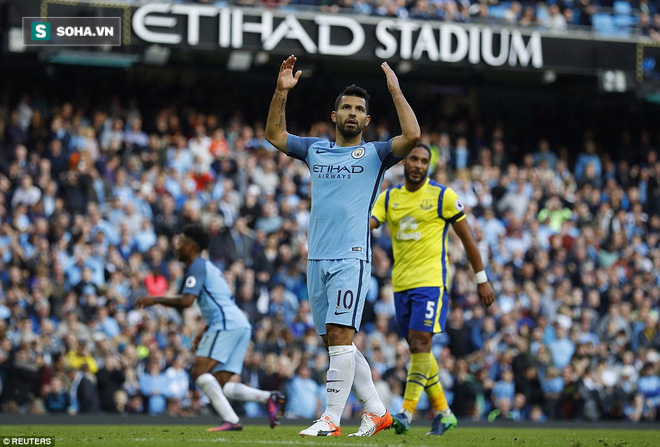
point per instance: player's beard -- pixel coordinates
(409, 179)
(350, 133)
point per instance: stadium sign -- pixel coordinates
(336, 35)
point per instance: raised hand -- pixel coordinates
(286, 80)
(392, 80)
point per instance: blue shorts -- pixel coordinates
(422, 309)
(226, 347)
(337, 290)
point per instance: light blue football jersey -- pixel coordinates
(208, 284)
(345, 184)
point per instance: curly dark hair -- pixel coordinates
(198, 234)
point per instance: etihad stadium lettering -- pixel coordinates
(335, 35)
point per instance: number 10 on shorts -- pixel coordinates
(347, 301)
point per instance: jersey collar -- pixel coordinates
(426, 182)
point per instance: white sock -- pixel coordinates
(363, 386)
(238, 391)
(210, 386)
(339, 381)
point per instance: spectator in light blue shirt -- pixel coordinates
(282, 302)
(553, 384)
(589, 156)
(178, 381)
(462, 154)
(179, 157)
(116, 213)
(154, 386)
(270, 221)
(493, 228)
(303, 397)
(504, 388)
(145, 238)
(107, 324)
(561, 348)
(544, 154)
(136, 136)
(649, 386)
(122, 189)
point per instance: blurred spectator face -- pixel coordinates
(153, 367)
(304, 372)
(56, 385)
(560, 332)
(135, 404)
(536, 414)
(457, 318)
(81, 348)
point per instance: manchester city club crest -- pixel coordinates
(358, 153)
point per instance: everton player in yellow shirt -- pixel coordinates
(419, 213)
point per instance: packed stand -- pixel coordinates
(620, 18)
(91, 200)
(606, 18)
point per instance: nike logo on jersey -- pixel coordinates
(341, 313)
(320, 151)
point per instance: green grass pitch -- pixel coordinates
(287, 435)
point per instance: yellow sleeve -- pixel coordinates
(452, 207)
(379, 212)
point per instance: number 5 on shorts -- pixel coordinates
(430, 309)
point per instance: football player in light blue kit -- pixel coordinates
(220, 348)
(346, 178)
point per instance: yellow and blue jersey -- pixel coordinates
(419, 222)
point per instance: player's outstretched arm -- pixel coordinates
(178, 301)
(410, 132)
(276, 132)
(484, 289)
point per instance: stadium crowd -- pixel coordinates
(604, 17)
(91, 198)
(641, 17)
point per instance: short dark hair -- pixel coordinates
(353, 90)
(198, 234)
(423, 146)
